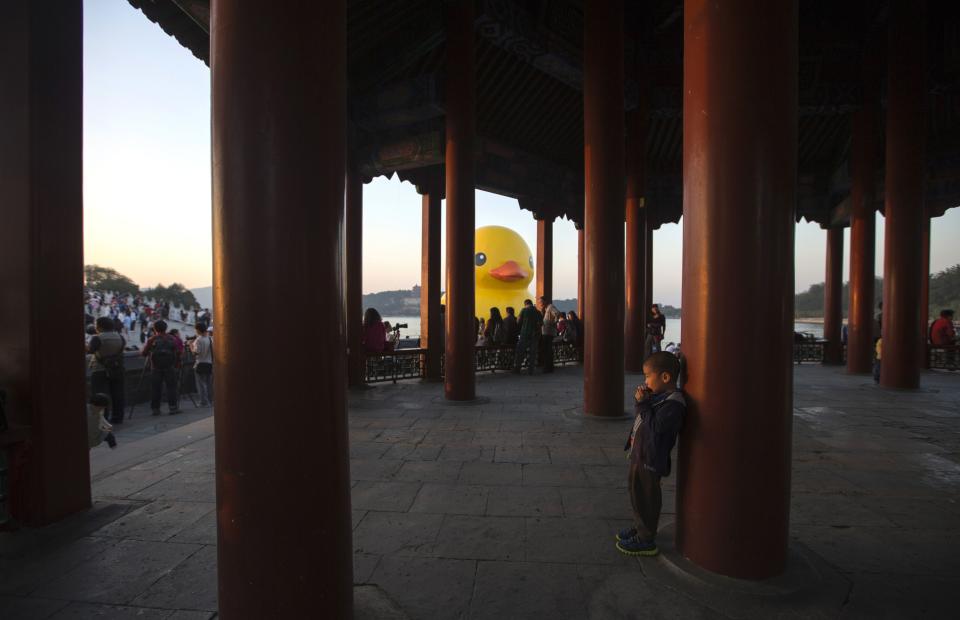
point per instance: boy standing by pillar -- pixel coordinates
(660, 409)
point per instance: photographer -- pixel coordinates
(374, 335)
(107, 372)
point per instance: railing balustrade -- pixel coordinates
(409, 363)
(945, 357)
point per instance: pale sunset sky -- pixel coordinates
(147, 180)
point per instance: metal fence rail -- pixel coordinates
(409, 363)
(944, 357)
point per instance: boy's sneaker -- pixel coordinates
(626, 534)
(635, 546)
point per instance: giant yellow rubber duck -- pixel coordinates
(504, 270)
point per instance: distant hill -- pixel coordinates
(944, 293)
(395, 303)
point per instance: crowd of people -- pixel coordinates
(110, 319)
(530, 334)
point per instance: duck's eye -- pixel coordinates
(480, 259)
(531, 262)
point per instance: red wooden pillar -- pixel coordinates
(603, 130)
(904, 208)
(833, 297)
(580, 272)
(925, 294)
(431, 326)
(636, 308)
(459, 380)
(863, 159)
(545, 257)
(356, 360)
(41, 255)
(278, 95)
(739, 182)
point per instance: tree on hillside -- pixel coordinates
(944, 293)
(945, 290)
(107, 279)
(177, 294)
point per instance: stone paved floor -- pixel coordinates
(507, 509)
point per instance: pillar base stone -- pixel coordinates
(808, 588)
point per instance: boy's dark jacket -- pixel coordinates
(659, 420)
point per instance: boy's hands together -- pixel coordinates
(642, 392)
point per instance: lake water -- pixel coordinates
(672, 334)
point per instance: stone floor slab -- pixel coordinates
(451, 499)
(383, 533)
(192, 584)
(429, 471)
(183, 486)
(128, 482)
(527, 590)
(160, 520)
(524, 501)
(491, 473)
(384, 496)
(120, 574)
(91, 611)
(428, 588)
(480, 538)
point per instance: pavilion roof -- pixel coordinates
(530, 104)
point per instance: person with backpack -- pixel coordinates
(107, 372)
(164, 359)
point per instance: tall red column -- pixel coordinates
(739, 183)
(904, 211)
(603, 130)
(431, 325)
(580, 272)
(356, 360)
(41, 255)
(545, 258)
(278, 147)
(863, 227)
(459, 380)
(636, 308)
(925, 294)
(833, 297)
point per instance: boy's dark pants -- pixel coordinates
(159, 378)
(646, 498)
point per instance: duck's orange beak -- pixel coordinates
(510, 271)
